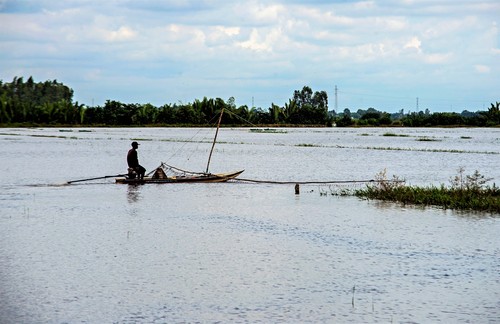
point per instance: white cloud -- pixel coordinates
(121, 34)
(415, 44)
(260, 43)
(482, 68)
(256, 42)
(437, 58)
(364, 5)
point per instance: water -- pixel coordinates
(99, 252)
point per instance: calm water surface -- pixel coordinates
(98, 252)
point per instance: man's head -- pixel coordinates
(135, 145)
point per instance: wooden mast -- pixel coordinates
(215, 138)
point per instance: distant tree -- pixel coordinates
(31, 102)
(244, 115)
(275, 113)
(166, 115)
(385, 119)
(345, 121)
(303, 97)
(371, 115)
(291, 111)
(320, 100)
(259, 116)
(493, 114)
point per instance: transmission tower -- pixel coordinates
(336, 100)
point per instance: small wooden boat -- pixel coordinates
(202, 177)
(169, 174)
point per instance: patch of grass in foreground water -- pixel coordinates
(467, 192)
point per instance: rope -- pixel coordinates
(167, 167)
(312, 182)
(191, 139)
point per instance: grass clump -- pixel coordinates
(267, 130)
(428, 139)
(466, 192)
(395, 135)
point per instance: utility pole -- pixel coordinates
(417, 105)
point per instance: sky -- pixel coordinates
(390, 55)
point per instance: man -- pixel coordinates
(133, 161)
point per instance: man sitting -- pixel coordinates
(133, 161)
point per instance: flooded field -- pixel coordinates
(100, 252)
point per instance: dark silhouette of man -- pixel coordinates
(133, 161)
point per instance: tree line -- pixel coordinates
(26, 103)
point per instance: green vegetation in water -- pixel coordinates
(428, 139)
(410, 149)
(465, 137)
(396, 135)
(307, 145)
(267, 130)
(141, 139)
(467, 192)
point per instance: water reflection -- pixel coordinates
(133, 193)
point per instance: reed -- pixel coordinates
(467, 192)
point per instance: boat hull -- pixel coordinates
(217, 177)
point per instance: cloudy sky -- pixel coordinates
(381, 54)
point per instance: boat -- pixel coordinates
(169, 174)
(191, 178)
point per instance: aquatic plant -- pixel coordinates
(396, 135)
(267, 130)
(467, 192)
(428, 139)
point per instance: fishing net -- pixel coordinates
(164, 171)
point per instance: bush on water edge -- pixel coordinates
(487, 199)
(467, 192)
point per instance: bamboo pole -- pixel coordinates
(90, 179)
(215, 139)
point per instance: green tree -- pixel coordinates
(493, 114)
(345, 121)
(303, 97)
(275, 113)
(166, 115)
